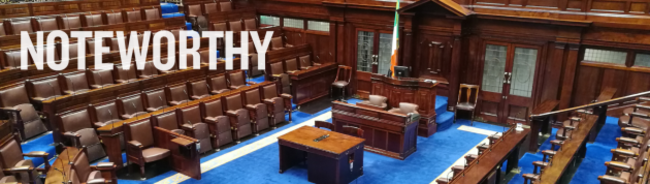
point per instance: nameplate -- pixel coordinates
(321, 138)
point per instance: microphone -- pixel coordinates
(71, 86)
(162, 103)
(67, 21)
(53, 90)
(64, 177)
(94, 24)
(134, 107)
(190, 122)
(188, 100)
(209, 88)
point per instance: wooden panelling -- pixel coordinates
(47, 8)
(586, 85)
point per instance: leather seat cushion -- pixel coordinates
(278, 104)
(237, 87)
(202, 133)
(154, 154)
(223, 123)
(8, 179)
(631, 109)
(90, 140)
(95, 175)
(243, 117)
(465, 106)
(260, 110)
(340, 84)
(262, 123)
(219, 91)
(32, 122)
(638, 122)
(244, 130)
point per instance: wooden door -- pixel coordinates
(373, 55)
(507, 82)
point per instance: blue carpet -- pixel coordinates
(172, 15)
(168, 8)
(42, 143)
(434, 155)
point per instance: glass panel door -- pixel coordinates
(494, 68)
(523, 72)
(385, 52)
(365, 46)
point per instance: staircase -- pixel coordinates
(444, 118)
(170, 10)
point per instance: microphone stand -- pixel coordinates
(101, 79)
(188, 100)
(71, 86)
(53, 90)
(162, 103)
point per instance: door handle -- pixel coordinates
(374, 60)
(507, 77)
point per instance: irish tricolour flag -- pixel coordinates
(393, 58)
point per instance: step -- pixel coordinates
(171, 15)
(444, 120)
(441, 104)
(168, 8)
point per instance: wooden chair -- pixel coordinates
(353, 131)
(466, 102)
(325, 124)
(342, 83)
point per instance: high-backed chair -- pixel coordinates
(236, 28)
(278, 105)
(172, 70)
(134, 16)
(114, 18)
(236, 79)
(78, 129)
(306, 62)
(93, 20)
(258, 110)
(277, 72)
(90, 46)
(250, 24)
(226, 6)
(130, 106)
(342, 80)
(47, 24)
(73, 51)
(12, 59)
(213, 114)
(239, 118)
(104, 113)
(211, 8)
(12, 158)
(277, 43)
(74, 82)
(218, 84)
(200, 89)
(193, 12)
(205, 56)
(353, 131)
(82, 172)
(124, 76)
(141, 145)
(375, 101)
(167, 120)
(291, 65)
(148, 71)
(27, 121)
(154, 99)
(114, 44)
(253, 65)
(467, 98)
(44, 88)
(101, 78)
(324, 124)
(221, 26)
(71, 21)
(405, 108)
(190, 118)
(18, 26)
(177, 94)
(152, 14)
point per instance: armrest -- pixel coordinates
(95, 86)
(644, 99)
(102, 166)
(640, 115)
(121, 81)
(639, 106)
(624, 153)
(124, 116)
(286, 96)
(627, 140)
(252, 111)
(37, 154)
(231, 114)
(316, 64)
(74, 137)
(10, 109)
(20, 169)
(612, 179)
(251, 83)
(619, 166)
(151, 109)
(135, 143)
(187, 127)
(97, 181)
(633, 130)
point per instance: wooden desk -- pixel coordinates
(485, 168)
(390, 134)
(335, 159)
(110, 134)
(313, 83)
(412, 90)
(61, 163)
(572, 148)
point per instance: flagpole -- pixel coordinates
(393, 59)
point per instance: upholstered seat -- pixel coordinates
(123, 75)
(258, 110)
(20, 26)
(71, 22)
(148, 71)
(48, 24)
(177, 94)
(13, 159)
(45, 88)
(114, 18)
(212, 113)
(192, 123)
(239, 117)
(324, 124)
(465, 106)
(155, 99)
(141, 144)
(291, 65)
(405, 108)
(15, 103)
(75, 82)
(131, 106)
(226, 6)
(152, 14)
(375, 102)
(345, 74)
(105, 113)
(12, 59)
(306, 62)
(94, 20)
(277, 43)
(82, 172)
(164, 61)
(237, 79)
(101, 78)
(218, 84)
(134, 16)
(210, 8)
(167, 120)
(199, 90)
(278, 105)
(250, 25)
(77, 127)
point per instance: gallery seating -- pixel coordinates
(82, 172)
(306, 62)
(123, 75)
(12, 158)
(104, 113)
(277, 43)
(212, 112)
(253, 68)
(74, 82)
(278, 104)
(142, 148)
(44, 88)
(375, 101)
(155, 99)
(236, 79)
(79, 131)
(258, 110)
(239, 117)
(130, 106)
(100, 78)
(291, 65)
(15, 103)
(177, 94)
(167, 120)
(200, 89)
(191, 121)
(277, 72)
(218, 84)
